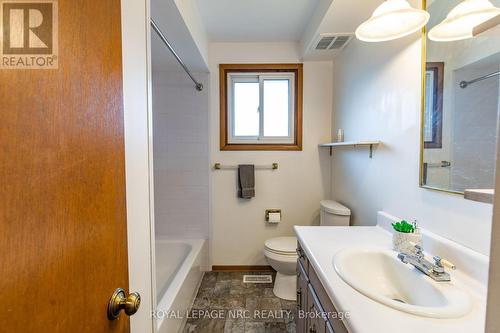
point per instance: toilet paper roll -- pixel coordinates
(274, 217)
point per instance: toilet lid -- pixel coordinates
(334, 207)
(286, 245)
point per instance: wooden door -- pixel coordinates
(63, 245)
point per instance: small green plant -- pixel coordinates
(403, 226)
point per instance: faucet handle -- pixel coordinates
(440, 262)
(419, 250)
(417, 246)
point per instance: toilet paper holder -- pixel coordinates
(271, 211)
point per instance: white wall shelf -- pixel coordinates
(480, 195)
(353, 144)
(489, 28)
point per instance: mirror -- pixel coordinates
(461, 86)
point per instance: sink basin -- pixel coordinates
(378, 274)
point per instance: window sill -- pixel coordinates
(261, 147)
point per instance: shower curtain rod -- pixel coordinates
(464, 84)
(155, 27)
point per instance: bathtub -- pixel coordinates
(179, 269)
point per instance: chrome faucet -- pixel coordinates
(434, 270)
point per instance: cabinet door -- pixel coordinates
(326, 304)
(302, 291)
(303, 259)
(315, 323)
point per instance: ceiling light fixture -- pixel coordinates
(392, 20)
(462, 19)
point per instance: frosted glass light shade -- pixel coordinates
(391, 20)
(462, 19)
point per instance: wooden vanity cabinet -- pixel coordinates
(302, 292)
(316, 313)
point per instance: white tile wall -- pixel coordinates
(181, 164)
(475, 130)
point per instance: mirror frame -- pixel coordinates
(422, 114)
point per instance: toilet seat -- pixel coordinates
(292, 257)
(285, 246)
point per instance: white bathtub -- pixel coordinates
(179, 269)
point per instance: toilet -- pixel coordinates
(281, 252)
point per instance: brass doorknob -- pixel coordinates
(119, 302)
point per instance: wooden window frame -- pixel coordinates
(437, 113)
(224, 70)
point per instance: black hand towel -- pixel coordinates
(246, 175)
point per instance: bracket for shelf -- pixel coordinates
(371, 151)
(331, 150)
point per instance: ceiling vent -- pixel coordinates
(333, 42)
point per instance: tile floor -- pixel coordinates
(227, 305)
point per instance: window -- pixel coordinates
(261, 107)
(433, 107)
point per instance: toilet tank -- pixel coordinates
(334, 214)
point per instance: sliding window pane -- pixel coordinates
(276, 108)
(246, 109)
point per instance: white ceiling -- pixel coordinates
(256, 20)
(340, 17)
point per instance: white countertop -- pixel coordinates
(366, 315)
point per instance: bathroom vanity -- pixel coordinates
(379, 293)
(316, 312)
